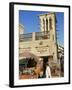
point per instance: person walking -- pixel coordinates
(48, 71)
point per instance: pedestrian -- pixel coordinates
(48, 71)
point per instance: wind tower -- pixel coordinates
(48, 27)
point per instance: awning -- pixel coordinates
(27, 54)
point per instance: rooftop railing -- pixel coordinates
(26, 37)
(37, 36)
(42, 35)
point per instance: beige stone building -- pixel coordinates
(41, 43)
(21, 29)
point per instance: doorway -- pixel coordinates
(45, 60)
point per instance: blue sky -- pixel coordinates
(31, 22)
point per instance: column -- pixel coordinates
(33, 36)
(45, 24)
